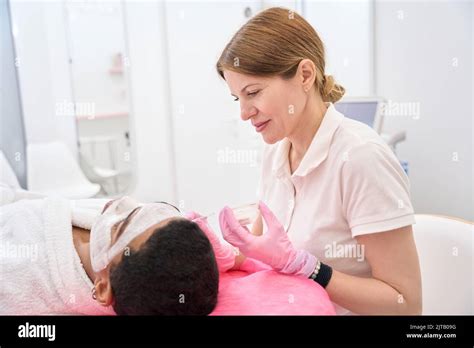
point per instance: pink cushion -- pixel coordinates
(256, 289)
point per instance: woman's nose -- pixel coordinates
(246, 112)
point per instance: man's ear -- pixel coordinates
(306, 73)
(103, 288)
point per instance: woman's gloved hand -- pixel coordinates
(273, 247)
(225, 253)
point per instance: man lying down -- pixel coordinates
(122, 257)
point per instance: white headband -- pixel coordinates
(102, 252)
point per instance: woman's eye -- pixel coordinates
(251, 94)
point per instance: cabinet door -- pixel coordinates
(215, 151)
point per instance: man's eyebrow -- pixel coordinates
(243, 89)
(108, 204)
(125, 223)
(168, 204)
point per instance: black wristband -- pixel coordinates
(324, 275)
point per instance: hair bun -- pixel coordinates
(331, 92)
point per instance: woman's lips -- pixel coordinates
(261, 126)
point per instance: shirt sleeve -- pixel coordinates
(375, 190)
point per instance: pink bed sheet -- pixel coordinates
(256, 289)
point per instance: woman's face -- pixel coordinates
(273, 105)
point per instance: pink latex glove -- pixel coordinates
(225, 253)
(273, 247)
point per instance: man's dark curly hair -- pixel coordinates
(173, 273)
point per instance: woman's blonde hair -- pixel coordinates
(273, 43)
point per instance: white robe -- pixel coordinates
(40, 270)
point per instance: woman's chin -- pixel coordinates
(270, 138)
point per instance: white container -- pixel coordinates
(246, 214)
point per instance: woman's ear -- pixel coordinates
(103, 288)
(306, 73)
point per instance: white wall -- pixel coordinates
(96, 36)
(424, 55)
(152, 153)
(207, 131)
(346, 29)
(187, 128)
(43, 70)
(217, 155)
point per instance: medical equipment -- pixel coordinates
(371, 112)
(273, 248)
(145, 215)
(393, 139)
(366, 110)
(245, 214)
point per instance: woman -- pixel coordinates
(339, 204)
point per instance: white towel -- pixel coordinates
(40, 270)
(10, 194)
(85, 212)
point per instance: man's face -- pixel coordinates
(125, 223)
(123, 218)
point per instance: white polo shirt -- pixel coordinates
(348, 183)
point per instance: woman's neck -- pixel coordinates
(305, 131)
